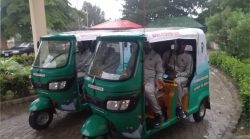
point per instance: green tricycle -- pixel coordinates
(115, 83)
(55, 78)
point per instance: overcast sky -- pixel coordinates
(111, 8)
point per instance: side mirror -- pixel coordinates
(38, 44)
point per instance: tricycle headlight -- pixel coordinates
(57, 85)
(116, 105)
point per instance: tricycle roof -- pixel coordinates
(159, 34)
(83, 35)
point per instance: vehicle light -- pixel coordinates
(57, 85)
(15, 51)
(117, 105)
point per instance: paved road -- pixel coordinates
(218, 122)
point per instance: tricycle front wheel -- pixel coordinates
(40, 119)
(98, 137)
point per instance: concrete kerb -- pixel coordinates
(229, 133)
(11, 103)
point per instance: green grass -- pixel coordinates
(239, 71)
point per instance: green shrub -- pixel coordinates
(246, 60)
(14, 77)
(25, 60)
(239, 71)
(230, 30)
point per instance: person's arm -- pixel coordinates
(171, 65)
(159, 72)
(158, 67)
(165, 59)
(188, 69)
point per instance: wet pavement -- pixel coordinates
(218, 122)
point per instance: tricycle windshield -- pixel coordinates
(114, 60)
(52, 54)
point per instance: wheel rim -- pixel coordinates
(43, 118)
(202, 110)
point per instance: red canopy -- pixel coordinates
(119, 24)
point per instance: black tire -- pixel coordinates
(35, 116)
(99, 137)
(199, 115)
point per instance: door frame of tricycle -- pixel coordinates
(200, 78)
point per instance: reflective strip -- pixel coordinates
(98, 88)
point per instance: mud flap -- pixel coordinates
(95, 126)
(207, 99)
(40, 103)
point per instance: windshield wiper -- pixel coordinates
(56, 56)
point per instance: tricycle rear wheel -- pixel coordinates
(40, 119)
(199, 115)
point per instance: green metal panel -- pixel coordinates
(199, 89)
(59, 37)
(40, 103)
(94, 126)
(123, 36)
(54, 74)
(132, 119)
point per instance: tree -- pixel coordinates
(79, 19)
(15, 17)
(239, 35)
(57, 14)
(212, 7)
(236, 4)
(93, 13)
(154, 9)
(229, 26)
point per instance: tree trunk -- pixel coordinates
(3, 43)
